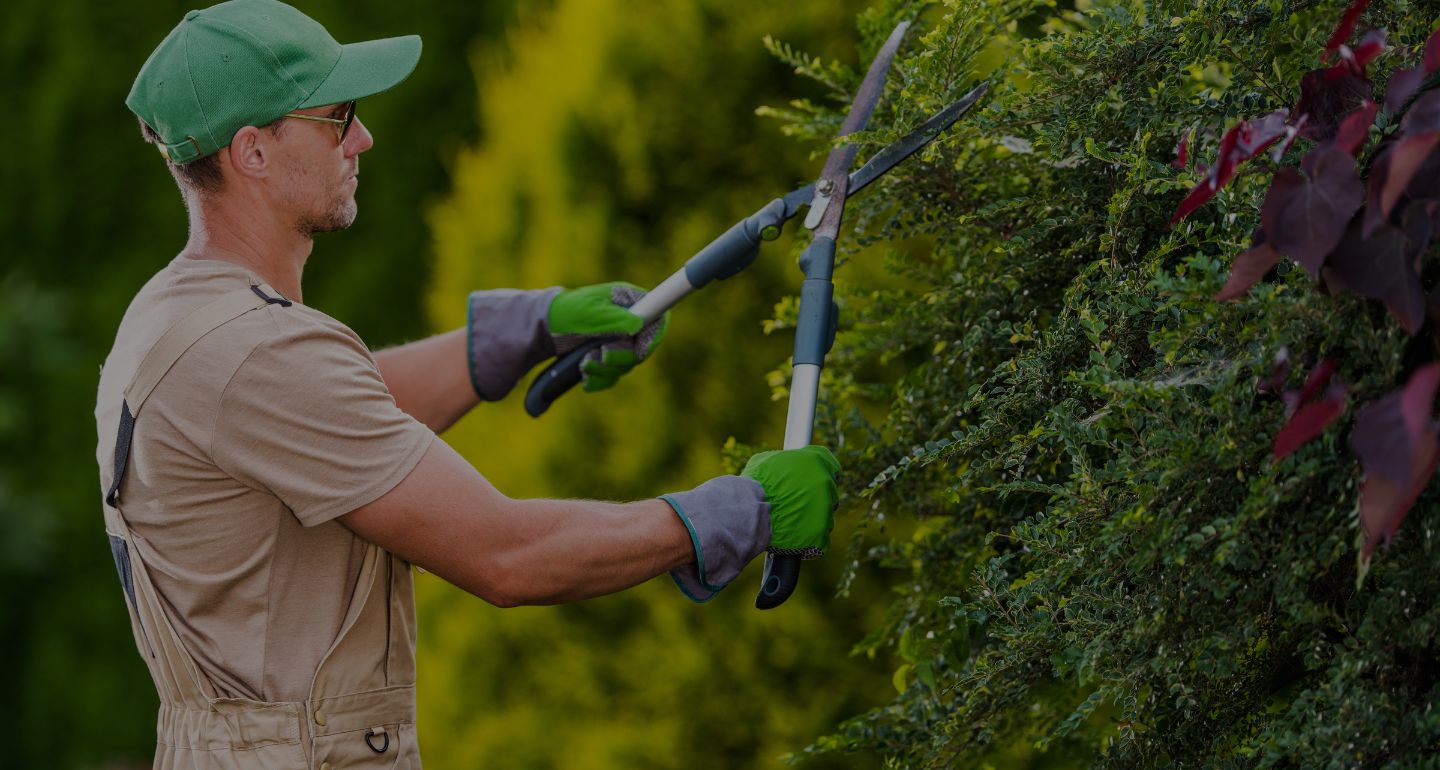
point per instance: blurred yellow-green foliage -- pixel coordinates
(614, 149)
(538, 143)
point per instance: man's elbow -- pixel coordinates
(502, 601)
(488, 589)
(502, 586)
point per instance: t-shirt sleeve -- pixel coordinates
(308, 418)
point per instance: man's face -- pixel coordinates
(319, 173)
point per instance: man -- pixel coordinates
(269, 482)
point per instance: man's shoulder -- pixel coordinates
(187, 284)
(291, 334)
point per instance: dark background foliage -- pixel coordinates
(88, 214)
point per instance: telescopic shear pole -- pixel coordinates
(815, 330)
(737, 248)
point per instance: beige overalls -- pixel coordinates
(361, 709)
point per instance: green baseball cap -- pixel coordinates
(247, 63)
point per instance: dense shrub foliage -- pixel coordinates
(1063, 443)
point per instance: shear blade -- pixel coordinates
(818, 204)
(913, 142)
(881, 162)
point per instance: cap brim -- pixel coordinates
(366, 69)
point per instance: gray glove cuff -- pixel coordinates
(729, 523)
(506, 335)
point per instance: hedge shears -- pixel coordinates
(739, 246)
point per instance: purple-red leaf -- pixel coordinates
(1417, 401)
(1423, 116)
(1365, 51)
(1255, 135)
(1240, 143)
(1392, 173)
(1310, 421)
(1247, 270)
(1375, 214)
(1223, 170)
(1320, 375)
(1425, 184)
(1355, 128)
(1395, 439)
(1346, 25)
(1403, 83)
(1326, 97)
(1197, 198)
(1182, 150)
(1382, 265)
(1409, 165)
(1317, 379)
(1309, 416)
(1383, 503)
(1381, 441)
(1389, 429)
(1304, 218)
(1291, 131)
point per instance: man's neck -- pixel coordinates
(274, 251)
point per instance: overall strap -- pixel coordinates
(190, 712)
(167, 350)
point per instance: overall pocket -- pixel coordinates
(120, 551)
(381, 746)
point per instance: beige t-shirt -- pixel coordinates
(261, 434)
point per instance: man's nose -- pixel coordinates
(358, 139)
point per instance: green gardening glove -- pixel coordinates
(577, 316)
(800, 487)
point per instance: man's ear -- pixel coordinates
(249, 153)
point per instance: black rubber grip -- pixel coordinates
(782, 573)
(557, 378)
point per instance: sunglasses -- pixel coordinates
(342, 123)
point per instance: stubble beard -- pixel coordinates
(338, 216)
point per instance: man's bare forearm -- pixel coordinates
(557, 551)
(450, 520)
(585, 548)
(430, 378)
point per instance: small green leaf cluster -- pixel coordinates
(1053, 436)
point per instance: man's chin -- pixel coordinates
(339, 219)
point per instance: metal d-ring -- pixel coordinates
(370, 733)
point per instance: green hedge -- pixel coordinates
(1053, 434)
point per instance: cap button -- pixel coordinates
(190, 15)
